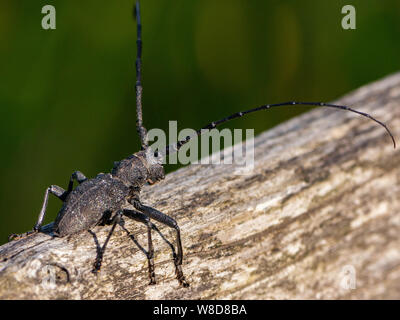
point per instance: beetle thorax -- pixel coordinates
(138, 169)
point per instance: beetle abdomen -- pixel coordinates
(85, 206)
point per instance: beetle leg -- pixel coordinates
(170, 222)
(53, 189)
(138, 216)
(78, 176)
(58, 192)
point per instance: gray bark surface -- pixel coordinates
(321, 202)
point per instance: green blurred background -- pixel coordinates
(67, 95)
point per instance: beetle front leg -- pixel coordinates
(138, 216)
(170, 222)
(53, 189)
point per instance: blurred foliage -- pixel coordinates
(67, 95)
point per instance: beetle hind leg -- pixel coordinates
(53, 189)
(59, 193)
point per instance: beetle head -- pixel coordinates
(156, 169)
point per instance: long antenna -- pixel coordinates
(139, 89)
(175, 147)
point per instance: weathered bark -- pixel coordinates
(323, 197)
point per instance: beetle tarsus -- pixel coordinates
(179, 273)
(15, 236)
(96, 267)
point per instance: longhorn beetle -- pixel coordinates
(109, 197)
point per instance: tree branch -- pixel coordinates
(323, 199)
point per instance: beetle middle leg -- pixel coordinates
(170, 222)
(99, 258)
(138, 216)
